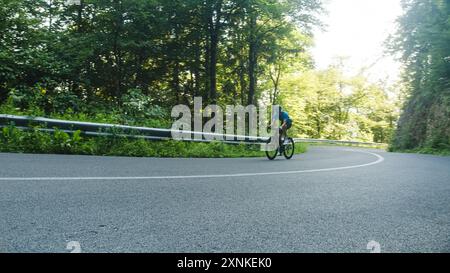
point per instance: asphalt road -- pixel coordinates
(328, 200)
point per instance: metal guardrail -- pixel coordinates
(102, 129)
(105, 130)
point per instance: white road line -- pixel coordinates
(380, 159)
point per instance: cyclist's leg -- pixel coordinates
(288, 127)
(284, 132)
(283, 135)
(280, 141)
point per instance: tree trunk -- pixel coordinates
(242, 81)
(117, 51)
(176, 81)
(207, 81)
(213, 67)
(196, 70)
(80, 16)
(276, 83)
(253, 60)
(215, 27)
(50, 17)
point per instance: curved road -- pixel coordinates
(328, 200)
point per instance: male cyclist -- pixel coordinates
(286, 124)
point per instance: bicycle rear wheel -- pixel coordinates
(289, 149)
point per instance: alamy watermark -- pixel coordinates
(73, 2)
(74, 247)
(241, 122)
(374, 247)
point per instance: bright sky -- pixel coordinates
(357, 29)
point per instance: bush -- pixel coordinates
(137, 107)
(136, 110)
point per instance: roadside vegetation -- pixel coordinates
(59, 142)
(423, 42)
(428, 151)
(129, 62)
(367, 146)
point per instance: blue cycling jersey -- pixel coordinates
(285, 117)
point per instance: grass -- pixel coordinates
(428, 151)
(380, 146)
(14, 140)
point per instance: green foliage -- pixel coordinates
(122, 53)
(138, 107)
(328, 105)
(129, 62)
(429, 151)
(423, 41)
(35, 141)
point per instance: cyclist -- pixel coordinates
(286, 124)
(284, 144)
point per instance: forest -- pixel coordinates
(423, 42)
(131, 61)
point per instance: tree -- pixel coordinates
(327, 104)
(423, 41)
(100, 50)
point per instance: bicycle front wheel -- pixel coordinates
(271, 155)
(289, 149)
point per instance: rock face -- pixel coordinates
(425, 123)
(423, 40)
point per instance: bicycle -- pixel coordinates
(287, 148)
